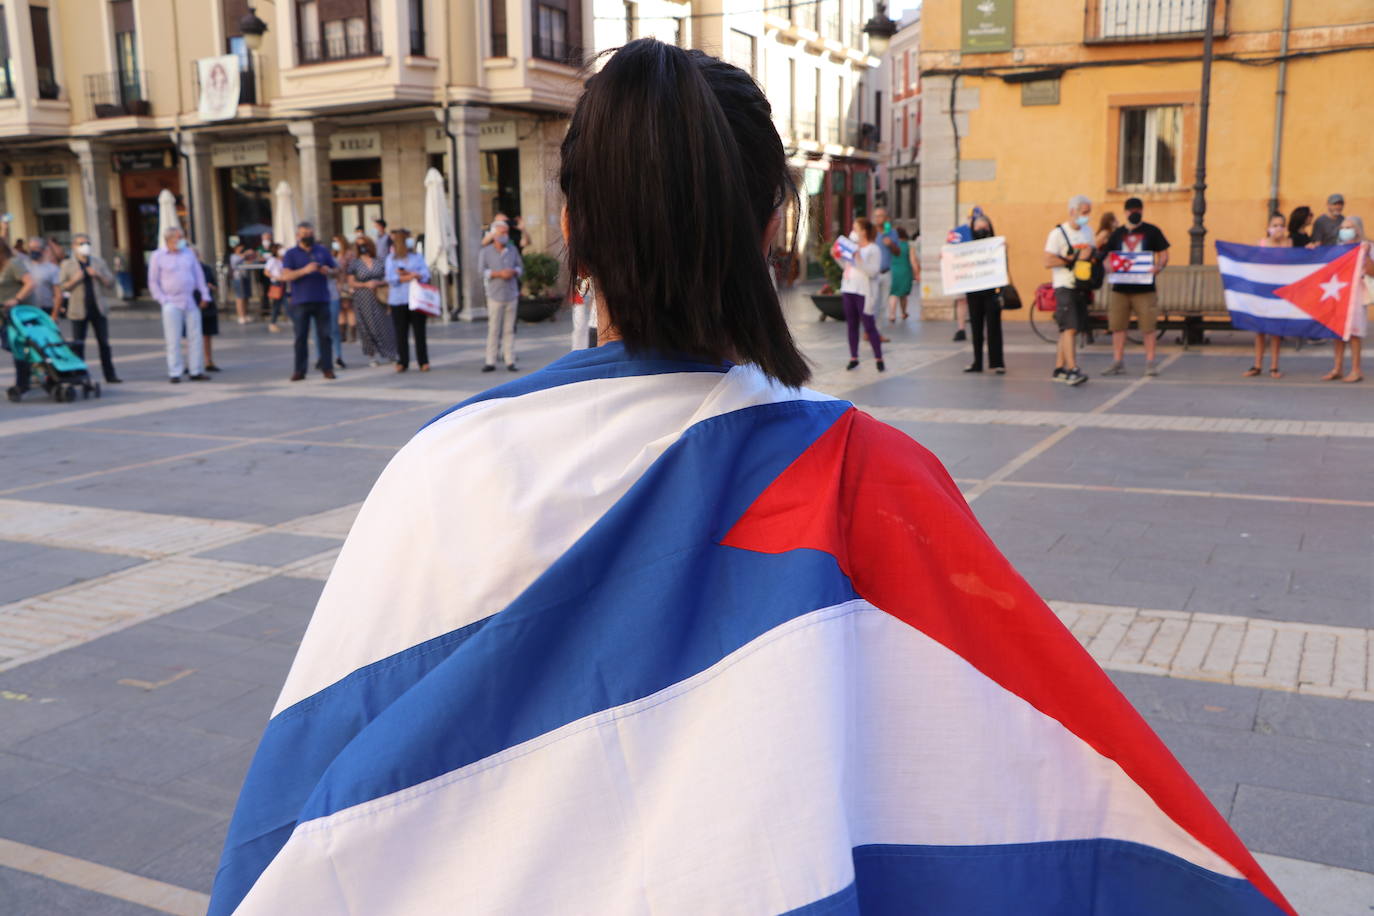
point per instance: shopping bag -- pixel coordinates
(424, 298)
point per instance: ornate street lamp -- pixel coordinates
(252, 29)
(879, 30)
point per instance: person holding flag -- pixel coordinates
(1276, 236)
(1352, 230)
(657, 630)
(1136, 252)
(860, 290)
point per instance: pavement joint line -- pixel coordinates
(1054, 438)
(101, 879)
(167, 459)
(1126, 421)
(1163, 491)
(1287, 656)
(96, 607)
(244, 440)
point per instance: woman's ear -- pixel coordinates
(770, 232)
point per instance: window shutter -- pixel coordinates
(122, 12)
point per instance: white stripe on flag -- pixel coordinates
(480, 503)
(740, 790)
(1273, 274)
(1264, 306)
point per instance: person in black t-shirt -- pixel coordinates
(1128, 294)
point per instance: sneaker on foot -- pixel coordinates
(488, 368)
(1058, 373)
(960, 335)
(881, 367)
(510, 367)
(175, 380)
(297, 376)
(1152, 367)
(853, 364)
(1075, 377)
(200, 377)
(1114, 369)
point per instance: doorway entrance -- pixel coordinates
(141, 216)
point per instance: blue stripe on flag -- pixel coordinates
(596, 637)
(1241, 285)
(1304, 328)
(1036, 879)
(610, 360)
(1257, 255)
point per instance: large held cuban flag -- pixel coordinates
(641, 635)
(1265, 291)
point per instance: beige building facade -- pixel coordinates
(349, 102)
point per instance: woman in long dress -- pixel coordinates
(656, 630)
(367, 274)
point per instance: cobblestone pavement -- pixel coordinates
(1208, 538)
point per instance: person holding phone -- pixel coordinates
(306, 267)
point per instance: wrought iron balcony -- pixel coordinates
(1148, 20)
(122, 92)
(343, 47)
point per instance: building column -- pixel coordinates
(939, 191)
(200, 183)
(465, 123)
(93, 159)
(315, 202)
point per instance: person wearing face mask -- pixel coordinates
(1351, 231)
(45, 272)
(1140, 298)
(1068, 243)
(175, 279)
(86, 279)
(403, 266)
(859, 291)
(306, 267)
(985, 314)
(381, 238)
(1275, 236)
(501, 267)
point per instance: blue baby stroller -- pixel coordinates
(36, 343)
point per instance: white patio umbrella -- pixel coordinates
(441, 247)
(166, 215)
(284, 215)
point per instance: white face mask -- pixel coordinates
(84, 250)
(1346, 235)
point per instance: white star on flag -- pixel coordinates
(1331, 289)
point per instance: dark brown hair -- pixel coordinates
(672, 170)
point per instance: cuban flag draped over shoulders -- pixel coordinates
(638, 634)
(1292, 292)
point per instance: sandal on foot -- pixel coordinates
(1252, 372)
(1275, 373)
(1331, 376)
(1352, 377)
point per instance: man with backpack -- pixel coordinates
(1068, 255)
(1132, 290)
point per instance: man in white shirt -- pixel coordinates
(1069, 242)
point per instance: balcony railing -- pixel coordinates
(561, 52)
(116, 94)
(248, 83)
(1148, 20)
(344, 47)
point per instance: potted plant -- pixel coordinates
(541, 275)
(828, 299)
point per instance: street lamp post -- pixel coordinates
(252, 29)
(1198, 232)
(879, 30)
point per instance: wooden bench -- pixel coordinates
(1190, 300)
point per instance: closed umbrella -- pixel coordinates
(166, 215)
(441, 247)
(284, 215)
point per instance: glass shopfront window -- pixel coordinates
(357, 185)
(246, 200)
(52, 209)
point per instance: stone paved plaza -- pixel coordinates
(1207, 537)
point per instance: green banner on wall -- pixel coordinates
(986, 25)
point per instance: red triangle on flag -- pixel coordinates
(1330, 292)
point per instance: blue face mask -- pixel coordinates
(1082, 220)
(1346, 235)
(181, 244)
